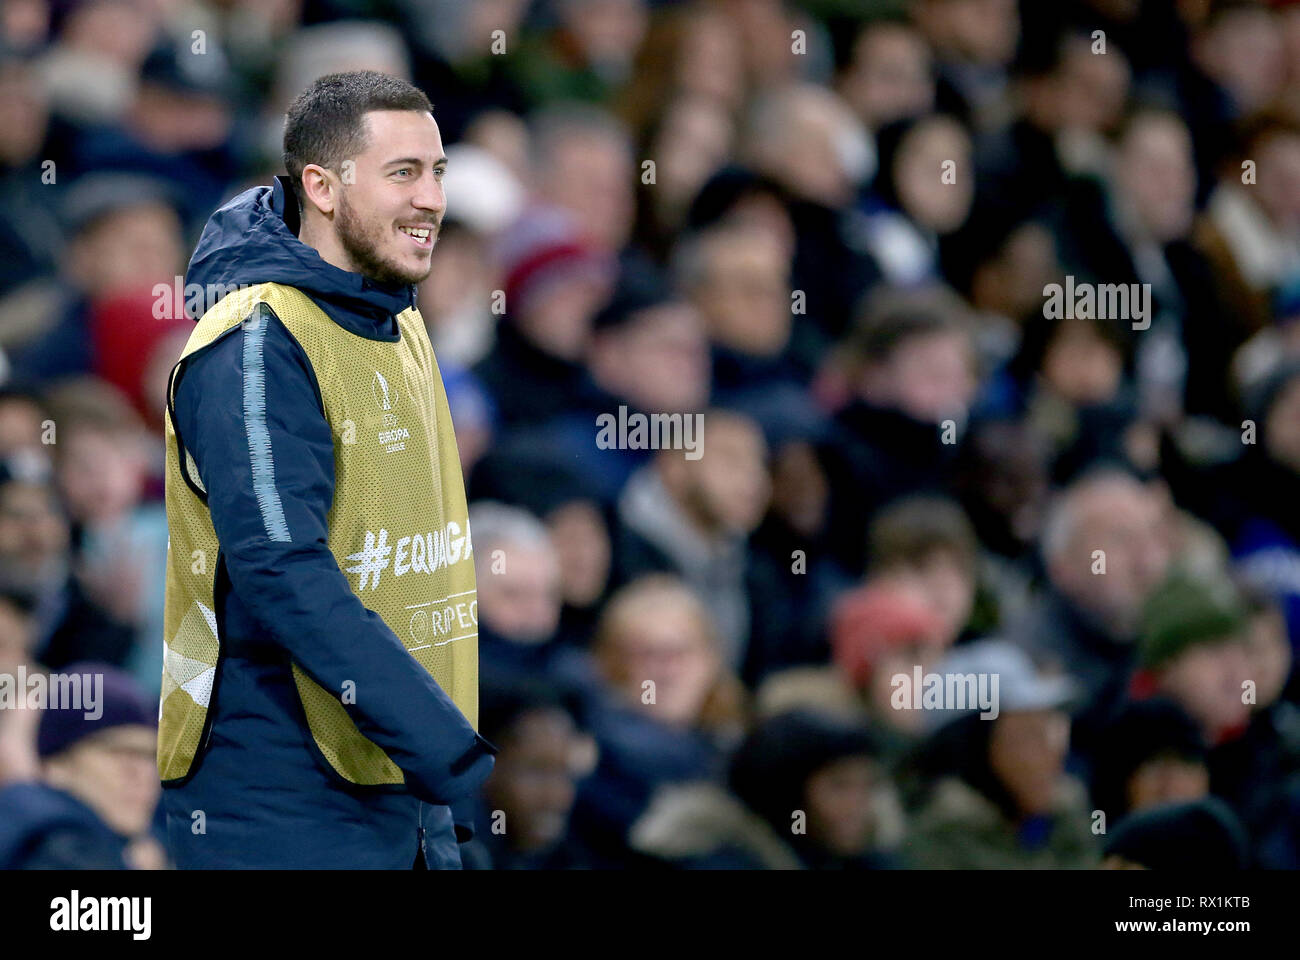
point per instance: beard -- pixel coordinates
(362, 242)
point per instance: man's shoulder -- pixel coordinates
(255, 347)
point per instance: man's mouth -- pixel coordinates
(421, 236)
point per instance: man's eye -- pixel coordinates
(403, 170)
(440, 172)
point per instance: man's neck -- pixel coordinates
(326, 243)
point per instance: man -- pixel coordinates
(320, 688)
(1088, 622)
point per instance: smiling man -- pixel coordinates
(320, 685)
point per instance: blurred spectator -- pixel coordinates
(649, 347)
(1250, 229)
(555, 282)
(739, 280)
(807, 792)
(523, 821)
(519, 598)
(973, 42)
(36, 556)
(101, 466)
(1003, 485)
(1152, 753)
(693, 516)
(838, 159)
(18, 758)
(691, 138)
(671, 714)
(177, 126)
(793, 578)
(928, 543)
(456, 297)
(578, 527)
(587, 54)
(921, 194)
(1244, 497)
(125, 237)
(667, 665)
(1201, 835)
(890, 73)
(455, 48)
(1236, 68)
(1007, 802)
(1192, 651)
(94, 804)
(1087, 622)
(583, 163)
(1258, 773)
(876, 633)
(31, 241)
(908, 368)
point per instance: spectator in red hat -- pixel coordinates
(876, 631)
(555, 282)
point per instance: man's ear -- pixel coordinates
(320, 189)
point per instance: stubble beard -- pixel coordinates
(362, 243)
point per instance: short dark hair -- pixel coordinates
(911, 528)
(326, 123)
(889, 316)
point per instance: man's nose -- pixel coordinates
(430, 196)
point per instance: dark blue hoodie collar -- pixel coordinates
(253, 239)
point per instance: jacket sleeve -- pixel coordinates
(248, 411)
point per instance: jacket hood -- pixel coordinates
(254, 239)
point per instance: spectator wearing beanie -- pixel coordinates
(545, 752)
(1191, 650)
(1203, 835)
(555, 283)
(97, 797)
(876, 631)
(1152, 753)
(778, 814)
(1258, 773)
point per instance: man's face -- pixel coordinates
(1206, 680)
(1027, 752)
(33, 535)
(745, 299)
(114, 772)
(841, 800)
(396, 191)
(730, 482)
(928, 377)
(521, 598)
(536, 776)
(1167, 779)
(946, 585)
(1124, 521)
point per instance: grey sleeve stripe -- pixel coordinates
(259, 437)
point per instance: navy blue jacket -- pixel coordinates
(42, 828)
(266, 795)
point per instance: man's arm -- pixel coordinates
(248, 412)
